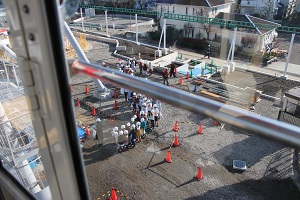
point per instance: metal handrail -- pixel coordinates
(264, 126)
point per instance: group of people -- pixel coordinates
(147, 114)
(166, 73)
(129, 66)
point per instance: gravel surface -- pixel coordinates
(141, 173)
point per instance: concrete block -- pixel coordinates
(232, 67)
(226, 69)
(121, 48)
(165, 51)
(158, 53)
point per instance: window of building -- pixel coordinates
(193, 11)
(173, 9)
(186, 10)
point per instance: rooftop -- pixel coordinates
(248, 18)
(208, 3)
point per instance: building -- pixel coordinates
(206, 8)
(253, 39)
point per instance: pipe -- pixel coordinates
(106, 23)
(136, 30)
(80, 53)
(264, 126)
(289, 55)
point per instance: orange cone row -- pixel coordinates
(175, 128)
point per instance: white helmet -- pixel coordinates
(154, 106)
(142, 119)
(116, 129)
(145, 99)
(132, 126)
(134, 94)
(142, 112)
(126, 132)
(138, 123)
(98, 120)
(123, 126)
(134, 116)
(144, 104)
(132, 120)
(128, 124)
(120, 132)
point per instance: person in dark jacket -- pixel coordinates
(172, 71)
(208, 51)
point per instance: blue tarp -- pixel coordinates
(198, 71)
(81, 132)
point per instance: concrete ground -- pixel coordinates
(141, 173)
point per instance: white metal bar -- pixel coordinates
(165, 31)
(81, 19)
(264, 126)
(233, 44)
(106, 23)
(136, 30)
(80, 53)
(289, 55)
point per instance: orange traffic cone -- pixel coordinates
(187, 76)
(116, 105)
(93, 111)
(71, 88)
(113, 194)
(115, 94)
(111, 121)
(199, 174)
(87, 132)
(175, 128)
(180, 81)
(168, 157)
(77, 102)
(86, 89)
(176, 142)
(200, 130)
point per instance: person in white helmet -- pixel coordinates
(99, 134)
(115, 134)
(143, 126)
(126, 138)
(123, 127)
(139, 132)
(121, 140)
(132, 136)
(155, 112)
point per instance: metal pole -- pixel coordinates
(5, 68)
(264, 126)
(136, 30)
(229, 53)
(15, 74)
(106, 23)
(233, 45)
(81, 19)
(162, 32)
(80, 54)
(113, 27)
(289, 55)
(165, 31)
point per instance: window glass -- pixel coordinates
(19, 151)
(228, 158)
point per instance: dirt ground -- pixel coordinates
(142, 173)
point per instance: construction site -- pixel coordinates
(188, 155)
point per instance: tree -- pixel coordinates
(291, 11)
(142, 3)
(206, 26)
(188, 28)
(268, 10)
